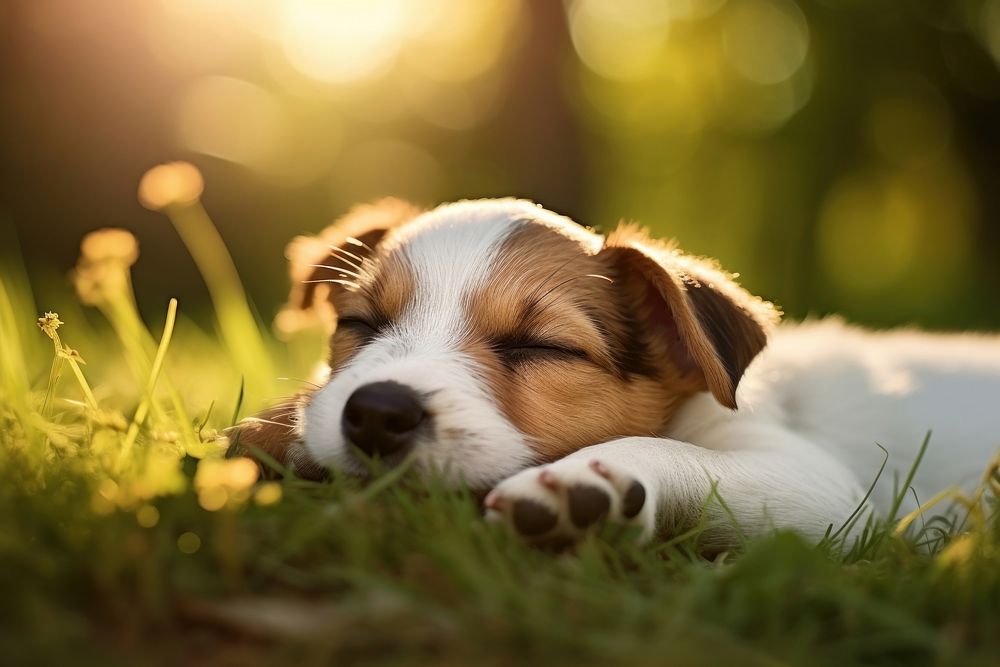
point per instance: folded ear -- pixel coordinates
(320, 265)
(705, 323)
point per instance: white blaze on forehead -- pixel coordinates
(450, 251)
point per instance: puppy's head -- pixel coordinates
(485, 336)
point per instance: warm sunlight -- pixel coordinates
(340, 41)
(500, 332)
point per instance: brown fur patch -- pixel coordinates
(544, 288)
(274, 432)
(709, 322)
(321, 266)
(664, 327)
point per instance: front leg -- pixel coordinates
(667, 486)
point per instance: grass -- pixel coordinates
(125, 538)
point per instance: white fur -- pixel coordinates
(450, 251)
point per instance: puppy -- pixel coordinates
(586, 378)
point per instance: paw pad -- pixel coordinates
(634, 499)
(587, 505)
(532, 518)
(558, 504)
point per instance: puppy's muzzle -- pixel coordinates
(383, 418)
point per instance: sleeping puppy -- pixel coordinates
(587, 379)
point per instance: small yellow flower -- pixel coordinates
(102, 272)
(110, 245)
(188, 543)
(170, 184)
(49, 323)
(147, 516)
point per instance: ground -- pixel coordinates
(399, 571)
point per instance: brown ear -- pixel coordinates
(319, 265)
(710, 326)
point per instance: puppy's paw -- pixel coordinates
(557, 504)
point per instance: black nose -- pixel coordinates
(382, 417)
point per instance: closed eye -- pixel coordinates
(358, 326)
(519, 351)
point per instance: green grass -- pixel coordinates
(126, 539)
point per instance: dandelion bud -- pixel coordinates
(110, 245)
(49, 323)
(170, 184)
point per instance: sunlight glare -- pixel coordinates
(341, 41)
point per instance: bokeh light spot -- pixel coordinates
(620, 40)
(147, 516)
(340, 41)
(479, 31)
(868, 234)
(188, 543)
(213, 499)
(908, 231)
(269, 493)
(766, 41)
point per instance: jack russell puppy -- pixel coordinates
(583, 379)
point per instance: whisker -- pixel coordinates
(291, 379)
(348, 258)
(346, 262)
(358, 242)
(361, 260)
(541, 285)
(569, 280)
(342, 270)
(258, 420)
(337, 281)
(287, 415)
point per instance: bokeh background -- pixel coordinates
(841, 155)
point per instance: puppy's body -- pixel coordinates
(829, 392)
(486, 338)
